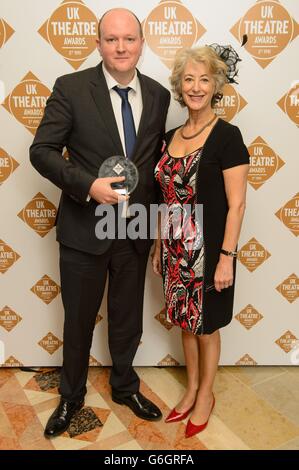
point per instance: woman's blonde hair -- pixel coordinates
(205, 55)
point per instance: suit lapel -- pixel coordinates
(147, 103)
(101, 96)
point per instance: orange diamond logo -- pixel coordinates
(249, 316)
(7, 165)
(50, 343)
(99, 318)
(269, 28)
(289, 288)
(168, 361)
(246, 360)
(289, 103)
(12, 362)
(7, 257)
(289, 215)
(161, 318)
(253, 254)
(264, 163)
(39, 214)
(169, 27)
(66, 155)
(93, 362)
(6, 32)
(8, 318)
(72, 31)
(231, 103)
(46, 289)
(27, 102)
(286, 341)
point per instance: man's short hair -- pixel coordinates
(137, 19)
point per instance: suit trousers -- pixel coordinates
(83, 279)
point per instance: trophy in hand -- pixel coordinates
(121, 166)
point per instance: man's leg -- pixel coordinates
(83, 278)
(125, 308)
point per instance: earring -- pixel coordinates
(218, 97)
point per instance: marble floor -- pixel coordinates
(256, 408)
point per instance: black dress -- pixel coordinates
(223, 149)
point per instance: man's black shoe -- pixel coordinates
(141, 406)
(60, 419)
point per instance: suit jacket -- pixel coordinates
(79, 116)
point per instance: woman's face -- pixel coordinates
(198, 86)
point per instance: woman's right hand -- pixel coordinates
(156, 261)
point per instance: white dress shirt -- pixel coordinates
(135, 100)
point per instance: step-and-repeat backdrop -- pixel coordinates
(40, 40)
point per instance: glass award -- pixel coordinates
(121, 166)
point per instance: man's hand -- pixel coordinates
(102, 192)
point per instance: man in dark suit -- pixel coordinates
(88, 114)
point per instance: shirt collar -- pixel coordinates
(111, 82)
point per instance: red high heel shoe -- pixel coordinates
(174, 416)
(193, 429)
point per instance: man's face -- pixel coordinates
(120, 43)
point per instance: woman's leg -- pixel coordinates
(201, 363)
(191, 352)
(210, 353)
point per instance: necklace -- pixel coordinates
(198, 132)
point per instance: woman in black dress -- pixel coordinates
(204, 162)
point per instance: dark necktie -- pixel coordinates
(128, 121)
